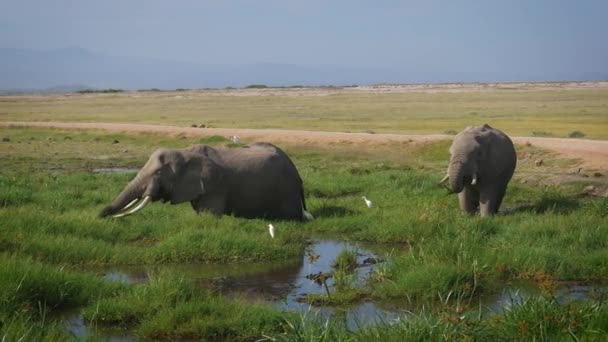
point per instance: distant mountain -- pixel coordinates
(68, 88)
(74, 68)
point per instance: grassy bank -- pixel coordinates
(50, 199)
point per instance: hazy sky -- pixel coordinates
(432, 35)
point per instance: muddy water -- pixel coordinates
(81, 331)
(287, 287)
(565, 292)
(284, 285)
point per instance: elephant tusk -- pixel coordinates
(474, 181)
(444, 179)
(130, 204)
(139, 206)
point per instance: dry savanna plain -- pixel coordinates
(410, 267)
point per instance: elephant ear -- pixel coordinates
(187, 184)
(211, 176)
(484, 139)
(201, 174)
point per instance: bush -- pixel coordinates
(576, 134)
(103, 91)
(256, 86)
(214, 139)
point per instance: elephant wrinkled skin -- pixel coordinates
(253, 181)
(482, 163)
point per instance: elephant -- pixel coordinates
(253, 181)
(482, 163)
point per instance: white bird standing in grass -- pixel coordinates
(235, 139)
(271, 230)
(368, 203)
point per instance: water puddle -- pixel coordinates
(565, 292)
(287, 285)
(115, 170)
(569, 291)
(284, 285)
(74, 322)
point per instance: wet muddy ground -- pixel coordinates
(286, 285)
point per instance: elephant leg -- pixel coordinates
(469, 200)
(490, 200)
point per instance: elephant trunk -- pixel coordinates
(132, 192)
(456, 175)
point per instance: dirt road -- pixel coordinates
(592, 153)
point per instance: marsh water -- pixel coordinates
(286, 285)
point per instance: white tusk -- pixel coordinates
(202, 186)
(120, 215)
(130, 204)
(444, 179)
(136, 209)
(474, 181)
(122, 212)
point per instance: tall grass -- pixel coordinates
(171, 308)
(32, 288)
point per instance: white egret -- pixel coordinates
(367, 202)
(271, 230)
(235, 139)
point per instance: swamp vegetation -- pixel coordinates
(437, 269)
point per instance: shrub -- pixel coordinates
(576, 134)
(103, 91)
(214, 139)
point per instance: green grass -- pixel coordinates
(19, 327)
(50, 199)
(171, 308)
(538, 319)
(517, 112)
(34, 288)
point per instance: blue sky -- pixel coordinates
(457, 36)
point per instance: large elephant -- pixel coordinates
(254, 181)
(481, 165)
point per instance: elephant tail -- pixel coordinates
(303, 199)
(306, 215)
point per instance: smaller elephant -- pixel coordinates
(482, 163)
(253, 181)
